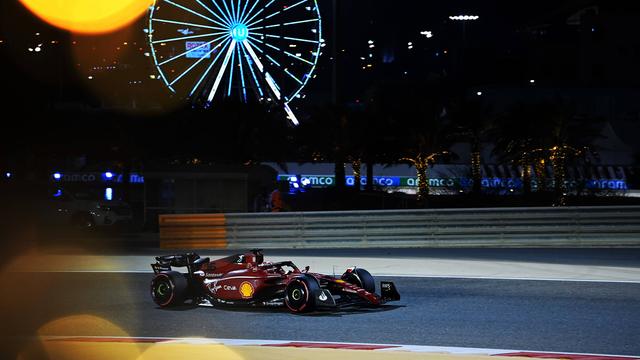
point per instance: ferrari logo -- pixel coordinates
(246, 290)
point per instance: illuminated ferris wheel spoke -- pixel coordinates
(255, 58)
(233, 20)
(291, 115)
(225, 23)
(193, 49)
(221, 16)
(244, 88)
(226, 19)
(268, 78)
(293, 76)
(206, 72)
(255, 39)
(297, 57)
(244, 11)
(294, 5)
(254, 16)
(188, 24)
(190, 68)
(273, 47)
(273, 60)
(300, 22)
(192, 12)
(188, 37)
(225, 63)
(234, 13)
(298, 39)
(257, 13)
(247, 14)
(231, 71)
(253, 73)
(255, 46)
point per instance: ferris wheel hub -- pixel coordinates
(239, 32)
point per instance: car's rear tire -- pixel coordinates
(360, 278)
(169, 289)
(300, 294)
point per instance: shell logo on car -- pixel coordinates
(246, 290)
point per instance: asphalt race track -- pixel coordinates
(585, 317)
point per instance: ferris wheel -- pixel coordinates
(252, 50)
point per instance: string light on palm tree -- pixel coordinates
(356, 165)
(422, 162)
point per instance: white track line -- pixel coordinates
(387, 347)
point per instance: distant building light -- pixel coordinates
(8, 175)
(370, 42)
(108, 175)
(57, 176)
(532, 81)
(479, 93)
(58, 193)
(427, 34)
(108, 194)
(90, 77)
(464, 17)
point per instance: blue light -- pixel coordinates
(58, 193)
(108, 175)
(57, 176)
(239, 33)
(108, 194)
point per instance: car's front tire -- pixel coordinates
(300, 292)
(360, 278)
(169, 289)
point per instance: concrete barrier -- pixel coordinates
(201, 231)
(495, 227)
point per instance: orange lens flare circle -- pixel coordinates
(88, 16)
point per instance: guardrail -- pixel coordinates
(495, 227)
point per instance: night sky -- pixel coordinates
(504, 50)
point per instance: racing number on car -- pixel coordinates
(246, 290)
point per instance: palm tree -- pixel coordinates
(422, 162)
(472, 122)
(533, 135)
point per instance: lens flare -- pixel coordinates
(88, 17)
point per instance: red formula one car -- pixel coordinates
(246, 279)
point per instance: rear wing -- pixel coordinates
(190, 261)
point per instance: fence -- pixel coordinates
(495, 227)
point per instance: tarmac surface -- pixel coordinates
(595, 316)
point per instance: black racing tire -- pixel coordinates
(361, 278)
(300, 294)
(169, 289)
